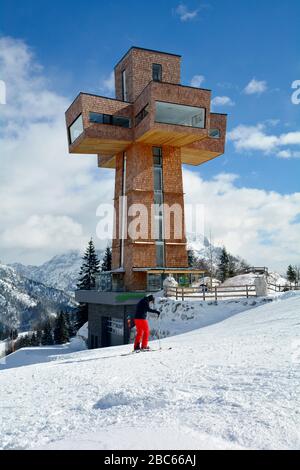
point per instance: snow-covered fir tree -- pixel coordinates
(192, 259)
(291, 274)
(107, 260)
(87, 279)
(47, 337)
(223, 268)
(61, 333)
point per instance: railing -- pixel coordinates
(279, 288)
(257, 269)
(182, 293)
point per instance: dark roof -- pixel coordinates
(148, 50)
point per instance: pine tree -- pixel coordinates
(61, 334)
(232, 266)
(223, 267)
(87, 279)
(47, 338)
(70, 325)
(107, 260)
(39, 334)
(34, 340)
(291, 273)
(89, 269)
(192, 259)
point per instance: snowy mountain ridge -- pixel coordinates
(24, 300)
(60, 272)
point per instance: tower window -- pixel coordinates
(214, 133)
(157, 72)
(124, 86)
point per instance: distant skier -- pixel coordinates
(141, 323)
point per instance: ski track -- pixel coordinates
(231, 385)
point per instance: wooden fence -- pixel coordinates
(182, 293)
(286, 287)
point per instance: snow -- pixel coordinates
(28, 356)
(3, 345)
(179, 317)
(249, 279)
(240, 280)
(277, 279)
(83, 332)
(234, 384)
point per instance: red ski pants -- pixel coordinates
(142, 333)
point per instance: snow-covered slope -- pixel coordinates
(61, 272)
(23, 300)
(179, 317)
(230, 385)
(249, 279)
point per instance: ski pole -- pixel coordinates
(159, 343)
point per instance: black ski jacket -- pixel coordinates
(143, 308)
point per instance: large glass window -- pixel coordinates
(170, 113)
(160, 261)
(159, 227)
(76, 129)
(158, 201)
(154, 282)
(157, 72)
(120, 121)
(157, 178)
(141, 115)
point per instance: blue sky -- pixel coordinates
(246, 51)
(228, 42)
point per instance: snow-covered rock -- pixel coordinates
(169, 282)
(261, 286)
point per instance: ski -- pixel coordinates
(130, 353)
(144, 351)
(153, 350)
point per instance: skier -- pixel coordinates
(141, 323)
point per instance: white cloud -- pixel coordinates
(256, 87)
(288, 154)
(256, 138)
(197, 80)
(222, 101)
(253, 223)
(185, 14)
(40, 231)
(40, 183)
(107, 85)
(284, 154)
(291, 138)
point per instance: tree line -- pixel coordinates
(226, 265)
(52, 330)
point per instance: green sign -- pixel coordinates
(128, 296)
